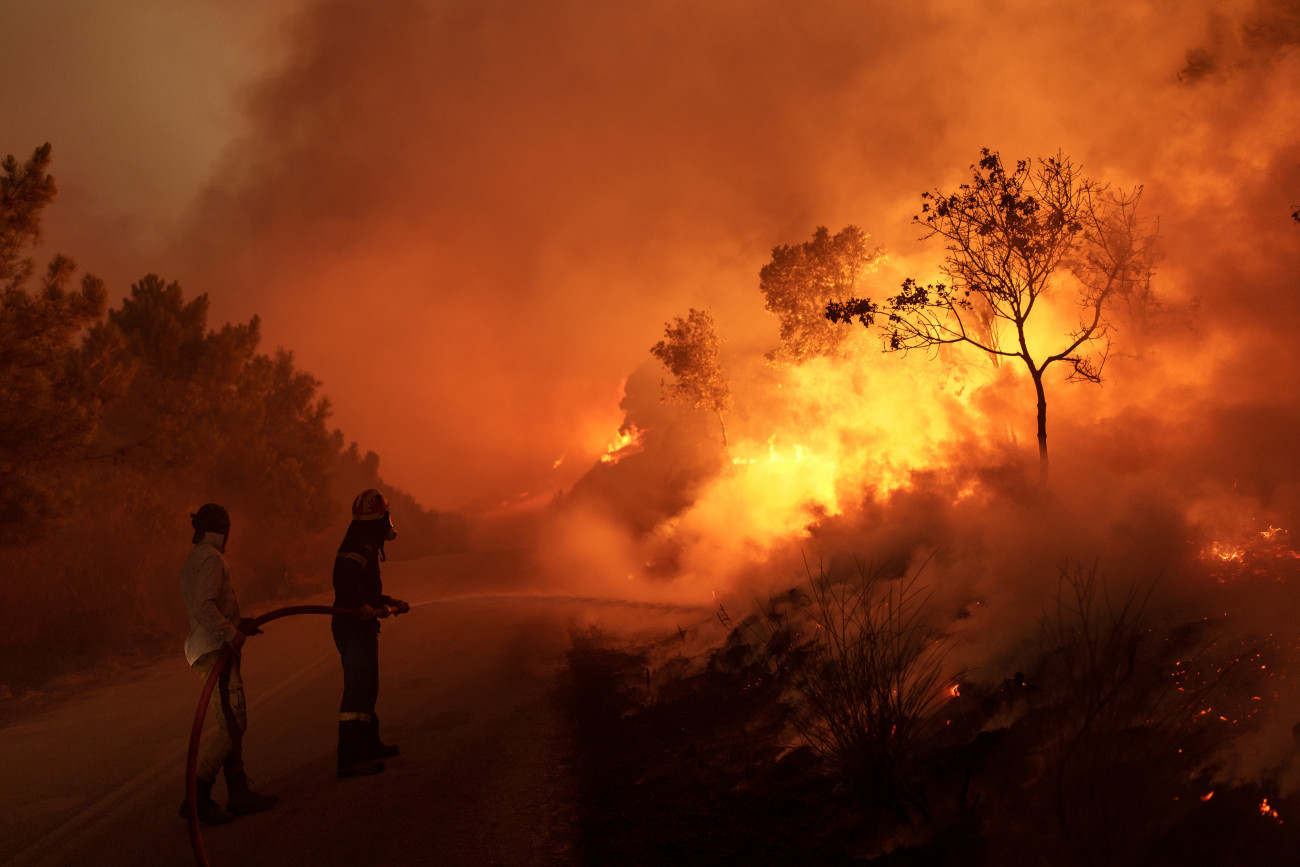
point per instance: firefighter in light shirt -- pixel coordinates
(215, 622)
(357, 586)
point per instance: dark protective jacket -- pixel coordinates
(357, 583)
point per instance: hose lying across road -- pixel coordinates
(201, 712)
(192, 760)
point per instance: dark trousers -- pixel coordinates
(358, 724)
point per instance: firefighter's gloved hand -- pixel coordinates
(248, 627)
(368, 613)
(400, 606)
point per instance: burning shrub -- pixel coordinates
(1121, 738)
(874, 676)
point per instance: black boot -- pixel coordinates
(210, 812)
(375, 748)
(244, 800)
(352, 753)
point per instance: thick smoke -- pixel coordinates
(471, 219)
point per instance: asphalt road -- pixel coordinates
(469, 690)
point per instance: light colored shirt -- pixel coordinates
(209, 598)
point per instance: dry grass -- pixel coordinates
(874, 675)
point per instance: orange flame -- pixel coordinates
(1255, 554)
(1227, 554)
(830, 433)
(627, 443)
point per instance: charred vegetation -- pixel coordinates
(828, 726)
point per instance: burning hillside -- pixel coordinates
(884, 554)
(953, 342)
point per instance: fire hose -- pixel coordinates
(192, 759)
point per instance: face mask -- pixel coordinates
(389, 533)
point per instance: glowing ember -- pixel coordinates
(1267, 811)
(1227, 555)
(1263, 553)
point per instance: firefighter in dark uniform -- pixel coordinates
(357, 586)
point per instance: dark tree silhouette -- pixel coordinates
(173, 384)
(803, 278)
(1012, 238)
(42, 420)
(189, 401)
(25, 190)
(690, 352)
(113, 427)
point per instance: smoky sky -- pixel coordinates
(470, 220)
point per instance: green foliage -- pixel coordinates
(802, 279)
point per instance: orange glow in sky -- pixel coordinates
(471, 226)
